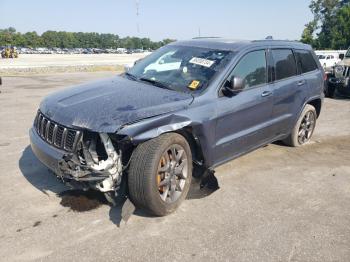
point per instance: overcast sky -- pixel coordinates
(159, 19)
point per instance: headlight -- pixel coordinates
(339, 69)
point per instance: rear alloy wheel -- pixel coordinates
(307, 127)
(304, 128)
(160, 173)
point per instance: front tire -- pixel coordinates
(304, 128)
(160, 173)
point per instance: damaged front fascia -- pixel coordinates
(104, 174)
(107, 173)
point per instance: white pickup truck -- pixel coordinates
(328, 61)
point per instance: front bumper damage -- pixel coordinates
(96, 163)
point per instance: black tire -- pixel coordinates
(144, 187)
(294, 139)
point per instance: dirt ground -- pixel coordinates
(275, 204)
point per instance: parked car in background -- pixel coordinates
(143, 132)
(328, 61)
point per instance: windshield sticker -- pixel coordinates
(194, 84)
(202, 62)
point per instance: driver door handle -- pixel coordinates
(266, 93)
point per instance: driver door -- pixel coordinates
(244, 120)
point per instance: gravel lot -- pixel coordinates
(275, 204)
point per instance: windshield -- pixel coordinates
(348, 53)
(180, 68)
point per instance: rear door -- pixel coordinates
(242, 122)
(308, 68)
(288, 89)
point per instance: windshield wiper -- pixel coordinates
(155, 82)
(131, 76)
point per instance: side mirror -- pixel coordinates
(341, 56)
(233, 86)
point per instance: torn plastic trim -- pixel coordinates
(153, 127)
(104, 174)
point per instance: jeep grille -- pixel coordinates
(56, 134)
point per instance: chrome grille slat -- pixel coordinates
(77, 135)
(64, 136)
(42, 127)
(47, 130)
(55, 134)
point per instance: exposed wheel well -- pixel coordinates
(193, 141)
(316, 103)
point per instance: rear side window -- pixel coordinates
(305, 60)
(285, 65)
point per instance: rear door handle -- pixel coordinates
(266, 93)
(301, 83)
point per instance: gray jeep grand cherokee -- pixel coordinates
(189, 105)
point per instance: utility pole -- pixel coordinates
(137, 17)
(199, 32)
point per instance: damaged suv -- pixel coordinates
(191, 105)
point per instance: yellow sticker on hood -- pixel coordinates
(194, 84)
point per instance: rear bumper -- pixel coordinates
(48, 155)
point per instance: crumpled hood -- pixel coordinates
(107, 105)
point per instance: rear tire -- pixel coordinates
(154, 178)
(304, 128)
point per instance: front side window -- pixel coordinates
(285, 65)
(181, 68)
(252, 69)
(305, 60)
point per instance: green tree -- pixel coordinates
(50, 39)
(326, 19)
(307, 36)
(340, 33)
(62, 39)
(32, 39)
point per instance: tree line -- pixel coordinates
(62, 39)
(330, 27)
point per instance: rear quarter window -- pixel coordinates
(306, 62)
(285, 65)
